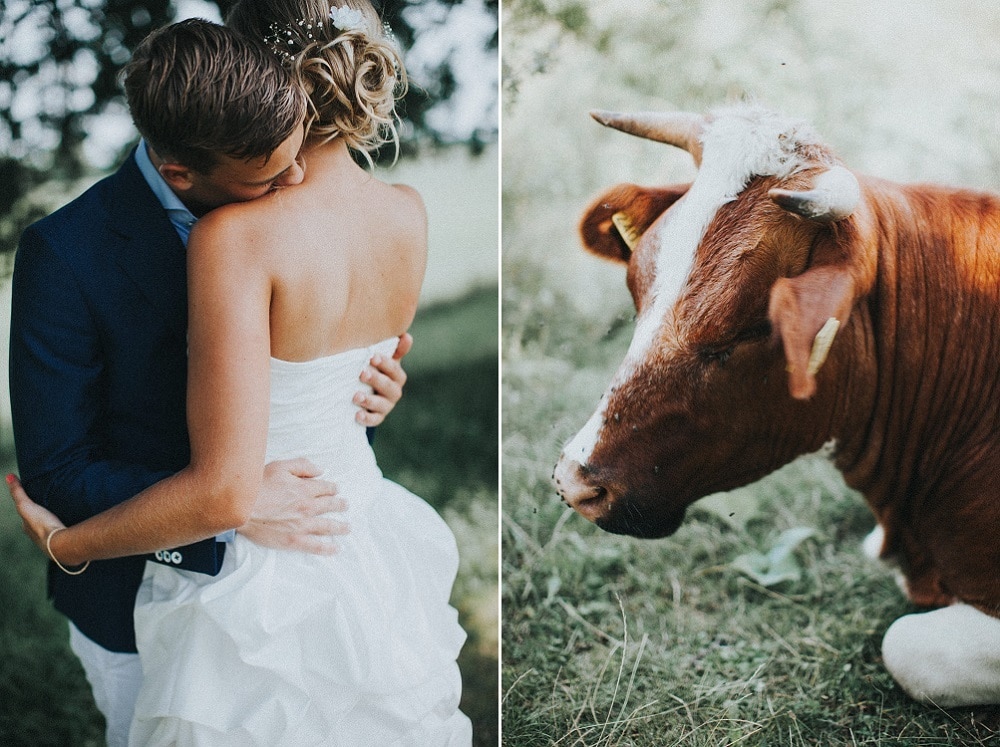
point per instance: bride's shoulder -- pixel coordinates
(407, 206)
(237, 227)
(407, 193)
(408, 197)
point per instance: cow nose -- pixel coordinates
(578, 491)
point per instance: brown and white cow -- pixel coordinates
(783, 303)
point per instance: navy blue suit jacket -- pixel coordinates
(98, 367)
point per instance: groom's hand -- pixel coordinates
(386, 377)
(290, 510)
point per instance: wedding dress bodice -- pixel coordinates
(313, 414)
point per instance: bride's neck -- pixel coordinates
(333, 154)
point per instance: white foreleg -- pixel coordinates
(949, 657)
(871, 545)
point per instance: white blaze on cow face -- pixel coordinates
(582, 445)
(739, 143)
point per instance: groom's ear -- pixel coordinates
(177, 175)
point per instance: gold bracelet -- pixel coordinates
(64, 569)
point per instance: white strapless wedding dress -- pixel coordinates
(284, 648)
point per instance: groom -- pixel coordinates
(98, 352)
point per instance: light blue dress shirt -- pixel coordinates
(180, 217)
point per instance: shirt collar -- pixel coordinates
(176, 210)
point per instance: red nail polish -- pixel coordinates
(10, 479)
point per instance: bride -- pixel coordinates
(285, 648)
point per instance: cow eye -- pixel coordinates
(721, 353)
(717, 356)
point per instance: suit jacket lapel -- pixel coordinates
(148, 248)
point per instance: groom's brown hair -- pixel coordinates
(197, 90)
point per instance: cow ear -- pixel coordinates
(614, 222)
(805, 312)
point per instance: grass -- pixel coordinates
(44, 698)
(610, 640)
(440, 442)
(448, 415)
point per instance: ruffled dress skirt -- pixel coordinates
(284, 648)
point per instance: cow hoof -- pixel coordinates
(949, 657)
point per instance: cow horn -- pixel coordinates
(679, 129)
(834, 195)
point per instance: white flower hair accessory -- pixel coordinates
(347, 19)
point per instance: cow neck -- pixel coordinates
(932, 330)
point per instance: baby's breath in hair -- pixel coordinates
(288, 40)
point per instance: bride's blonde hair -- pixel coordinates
(352, 75)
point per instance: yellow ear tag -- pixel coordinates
(821, 345)
(627, 230)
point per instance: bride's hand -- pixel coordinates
(386, 377)
(38, 521)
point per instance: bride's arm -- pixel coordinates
(229, 289)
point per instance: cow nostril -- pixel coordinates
(592, 505)
(576, 491)
(597, 498)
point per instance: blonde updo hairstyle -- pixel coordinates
(352, 76)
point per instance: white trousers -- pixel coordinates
(114, 679)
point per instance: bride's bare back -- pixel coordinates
(343, 254)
